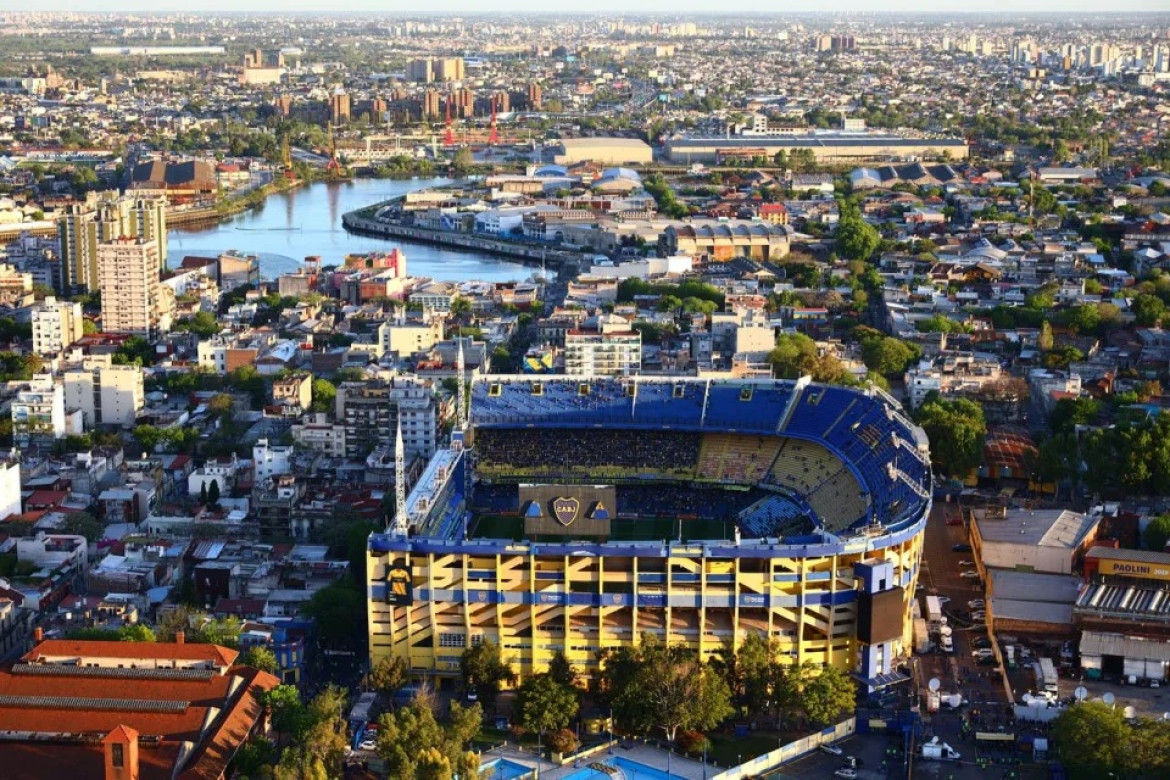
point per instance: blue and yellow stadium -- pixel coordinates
(579, 514)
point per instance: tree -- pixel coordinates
(483, 667)
(387, 675)
(561, 670)
(956, 430)
(1045, 340)
(544, 705)
(670, 690)
(288, 713)
(1091, 736)
(463, 160)
(415, 746)
(1071, 412)
(793, 356)
(83, 524)
(827, 695)
(324, 393)
(1147, 309)
(889, 356)
(213, 493)
(1156, 533)
(856, 239)
(460, 307)
(340, 612)
(203, 324)
(261, 658)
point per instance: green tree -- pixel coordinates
(203, 324)
(213, 493)
(340, 613)
(1092, 737)
(463, 160)
(1045, 340)
(889, 356)
(387, 675)
(956, 430)
(827, 695)
(324, 394)
(561, 670)
(670, 689)
(544, 705)
(1071, 412)
(1147, 309)
(261, 658)
(856, 239)
(1156, 533)
(482, 666)
(794, 355)
(83, 524)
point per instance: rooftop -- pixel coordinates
(1043, 527)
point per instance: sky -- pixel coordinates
(633, 7)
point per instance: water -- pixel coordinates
(503, 769)
(630, 770)
(307, 221)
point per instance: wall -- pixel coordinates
(789, 752)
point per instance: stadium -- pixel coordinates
(580, 514)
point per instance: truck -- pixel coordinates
(934, 615)
(921, 636)
(939, 751)
(1046, 679)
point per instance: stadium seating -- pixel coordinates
(739, 458)
(849, 454)
(776, 516)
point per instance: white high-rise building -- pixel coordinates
(55, 325)
(9, 487)
(607, 348)
(105, 394)
(134, 300)
(102, 217)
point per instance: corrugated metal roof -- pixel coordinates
(1145, 556)
(1094, 643)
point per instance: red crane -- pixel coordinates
(494, 135)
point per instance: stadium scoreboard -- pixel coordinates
(567, 510)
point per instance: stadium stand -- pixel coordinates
(736, 458)
(586, 454)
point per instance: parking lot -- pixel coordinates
(870, 749)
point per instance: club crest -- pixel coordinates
(565, 509)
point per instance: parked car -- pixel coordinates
(943, 600)
(975, 604)
(983, 652)
(966, 563)
(832, 750)
(978, 616)
(970, 574)
(846, 773)
(980, 642)
(962, 547)
(472, 694)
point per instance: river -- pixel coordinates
(290, 226)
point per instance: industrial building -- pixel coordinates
(1049, 541)
(607, 151)
(828, 146)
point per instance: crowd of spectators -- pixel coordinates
(595, 454)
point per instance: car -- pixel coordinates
(369, 744)
(832, 750)
(961, 548)
(472, 694)
(979, 615)
(970, 574)
(986, 661)
(943, 600)
(975, 604)
(981, 642)
(846, 773)
(983, 652)
(966, 563)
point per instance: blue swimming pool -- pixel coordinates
(631, 770)
(503, 769)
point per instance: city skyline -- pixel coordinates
(643, 7)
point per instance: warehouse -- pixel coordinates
(607, 151)
(829, 147)
(1031, 540)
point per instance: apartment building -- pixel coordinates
(38, 413)
(105, 394)
(371, 413)
(407, 337)
(55, 325)
(605, 347)
(100, 218)
(134, 300)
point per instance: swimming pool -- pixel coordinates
(503, 769)
(630, 770)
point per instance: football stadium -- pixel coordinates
(579, 514)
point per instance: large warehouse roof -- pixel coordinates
(1044, 528)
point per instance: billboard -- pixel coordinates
(567, 510)
(1142, 569)
(399, 584)
(879, 616)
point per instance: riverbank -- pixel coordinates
(359, 222)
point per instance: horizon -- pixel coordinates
(600, 8)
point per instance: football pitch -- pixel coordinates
(622, 529)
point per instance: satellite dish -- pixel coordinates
(1081, 693)
(1109, 698)
(934, 684)
(1129, 712)
(1166, 716)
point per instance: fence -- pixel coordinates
(793, 750)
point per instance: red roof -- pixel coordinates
(72, 648)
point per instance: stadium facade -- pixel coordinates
(579, 514)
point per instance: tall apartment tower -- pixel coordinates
(55, 325)
(105, 217)
(340, 107)
(134, 300)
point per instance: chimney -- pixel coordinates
(120, 747)
(38, 635)
(180, 637)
